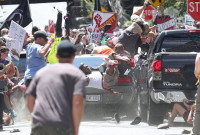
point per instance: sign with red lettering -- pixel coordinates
(193, 9)
(165, 23)
(101, 19)
(148, 13)
(51, 26)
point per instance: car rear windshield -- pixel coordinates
(181, 43)
(90, 61)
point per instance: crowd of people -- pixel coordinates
(60, 92)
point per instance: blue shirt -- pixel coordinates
(34, 61)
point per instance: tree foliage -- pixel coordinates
(85, 8)
(180, 5)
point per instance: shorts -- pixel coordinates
(185, 115)
(109, 81)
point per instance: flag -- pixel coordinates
(97, 5)
(109, 6)
(20, 15)
(51, 27)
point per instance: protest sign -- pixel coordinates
(189, 20)
(89, 30)
(101, 19)
(16, 39)
(166, 24)
(94, 36)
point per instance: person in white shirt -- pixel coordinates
(95, 78)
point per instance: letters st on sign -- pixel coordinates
(193, 9)
(156, 3)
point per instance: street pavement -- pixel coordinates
(108, 127)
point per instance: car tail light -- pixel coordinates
(194, 30)
(124, 80)
(157, 65)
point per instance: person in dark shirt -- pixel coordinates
(55, 95)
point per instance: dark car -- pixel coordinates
(166, 75)
(100, 99)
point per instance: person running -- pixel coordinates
(55, 95)
(35, 53)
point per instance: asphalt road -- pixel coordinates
(107, 127)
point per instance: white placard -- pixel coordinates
(16, 34)
(166, 25)
(189, 20)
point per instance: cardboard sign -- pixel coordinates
(94, 36)
(166, 24)
(16, 35)
(189, 20)
(101, 19)
(89, 30)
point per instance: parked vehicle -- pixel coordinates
(166, 74)
(100, 98)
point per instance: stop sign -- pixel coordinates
(193, 9)
(148, 13)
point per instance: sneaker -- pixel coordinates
(117, 117)
(111, 62)
(136, 121)
(163, 126)
(186, 131)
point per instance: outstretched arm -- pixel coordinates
(139, 11)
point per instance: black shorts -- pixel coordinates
(185, 115)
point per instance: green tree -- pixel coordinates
(84, 9)
(180, 5)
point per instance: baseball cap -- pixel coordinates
(66, 49)
(75, 30)
(40, 34)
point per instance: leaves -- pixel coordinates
(180, 5)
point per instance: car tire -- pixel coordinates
(154, 112)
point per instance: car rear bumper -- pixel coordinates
(99, 96)
(170, 96)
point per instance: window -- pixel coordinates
(181, 43)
